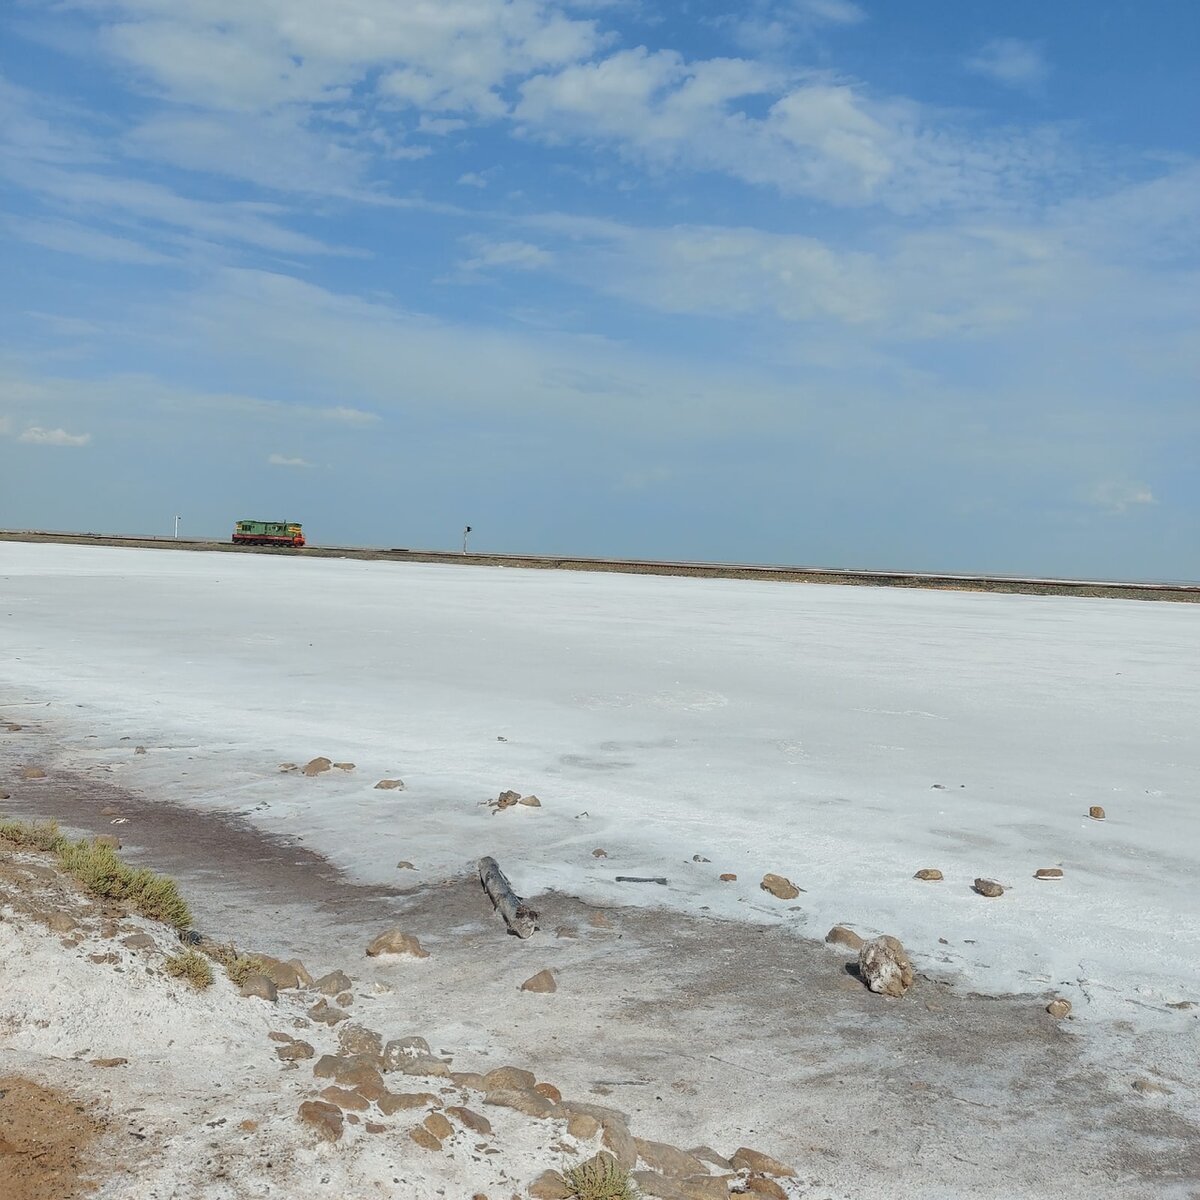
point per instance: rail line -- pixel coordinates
(1032, 585)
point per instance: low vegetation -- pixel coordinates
(600, 1178)
(192, 966)
(99, 869)
(239, 967)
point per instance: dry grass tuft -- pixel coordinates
(193, 967)
(239, 967)
(100, 871)
(600, 1178)
(36, 835)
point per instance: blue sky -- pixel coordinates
(815, 281)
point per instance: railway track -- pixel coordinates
(1031, 585)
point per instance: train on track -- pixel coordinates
(268, 533)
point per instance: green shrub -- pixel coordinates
(239, 967)
(37, 835)
(193, 967)
(100, 871)
(600, 1178)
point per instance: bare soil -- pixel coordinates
(45, 1139)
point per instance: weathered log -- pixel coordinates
(518, 916)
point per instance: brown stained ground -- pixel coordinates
(45, 1139)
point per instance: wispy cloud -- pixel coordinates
(1011, 62)
(514, 255)
(38, 436)
(282, 460)
(1119, 496)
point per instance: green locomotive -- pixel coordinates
(268, 533)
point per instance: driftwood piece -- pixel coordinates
(518, 916)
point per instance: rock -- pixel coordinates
(294, 1051)
(61, 922)
(1048, 873)
(469, 1119)
(286, 767)
(325, 1119)
(667, 1159)
(729, 877)
(700, 858)
(425, 1065)
(325, 1014)
(405, 865)
(619, 1141)
(356, 1072)
(283, 975)
(5, 795)
(396, 941)
(543, 981)
(988, 887)
(32, 773)
(598, 853)
(439, 1126)
(375, 1127)
(391, 1103)
(582, 1127)
(760, 1185)
(508, 1077)
(139, 941)
(358, 1039)
(344, 766)
(506, 800)
(424, 1138)
(530, 802)
(549, 1091)
(248, 1126)
(550, 1185)
(345, 1099)
(778, 886)
(931, 874)
(527, 1102)
(885, 968)
(745, 1159)
(108, 841)
(1096, 813)
(333, 983)
(1058, 1008)
(259, 986)
(709, 1155)
(1146, 1087)
(390, 785)
(139, 749)
(839, 935)
(468, 1079)
(399, 1049)
(317, 766)
(658, 1187)
(109, 1062)
(110, 811)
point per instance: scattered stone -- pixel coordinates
(344, 999)
(745, 1159)
(468, 1079)
(358, 1039)
(931, 874)
(375, 1127)
(530, 802)
(728, 877)
(286, 767)
(344, 766)
(325, 1014)
(283, 975)
(506, 800)
(760, 1185)
(107, 840)
(139, 749)
(399, 1049)
(1146, 1087)
(317, 766)
(4, 795)
(396, 941)
(431, 1067)
(109, 1062)
(550, 1185)
(619, 1141)
(700, 858)
(1048, 873)
(1096, 813)
(469, 1119)
(294, 1051)
(522, 1101)
(32, 773)
(111, 958)
(709, 1155)
(582, 1127)
(599, 853)
(61, 922)
(333, 983)
(667, 1159)
(839, 935)
(345, 1099)
(405, 865)
(543, 981)
(325, 1119)
(424, 1138)
(390, 785)
(509, 1077)
(248, 1126)
(259, 986)
(549, 1091)
(778, 886)
(139, 941)
(1058, 1008)
(988, 887)
(110, 810)
(885, 968)
(439, 1126)
(391, 1103)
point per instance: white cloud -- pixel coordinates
(38, 436)
(346, 416)
(282, 460)
(1011, 62)
(473, 179)
(834, 12)
(1118, 497)
(519, 255)
(70, 237)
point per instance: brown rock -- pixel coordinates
(344, 999)
(469, 1119)
(394, 1102)
(425, 1065)
(709, 1155)
(839, 935)
(398, 1049)
(745, 1159)
(582, 1127)
(61, 922)
(618, 1140)
(109, 1062)
(396, 941)
(139, 749)
(506, 800)
(707, 1187)
(32, 773)
(333, 983)
(317, 766)
(468, 1079)
(344, 766)
(108, 841)
(1058, 1008)
(282, 974)
(325, 1014)
(760, 1185)
(324, 1118)
(1048, 873)
(527, 1102)
(1147, 1087)
(248, 1126)
(598, 853)
(286, 767)
(345, 1099)
(374, 1127)
(405, 865)
(357, 1039)
(988, 887)
(390, 785)
(667, 1159)
(931, 874)
(259, 986)
(439, 1126)
(658, 1187)
(509, 1077)
(728, 877)
(357, 1072)
(778, 886)
(139, 941)
(550, 1185)
(110, 811)
(530, 802)
(294, 1051)
(884, 967)
(1096, 813)
(549, 1091)
(543, 981)
(424, 1138)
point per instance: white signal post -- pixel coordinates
(178, 518)
(466, 530)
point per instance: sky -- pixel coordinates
(825, 282)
